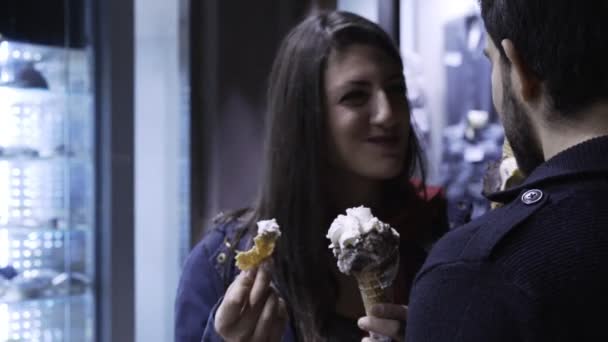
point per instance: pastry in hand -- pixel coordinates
(263, 246)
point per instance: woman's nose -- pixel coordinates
(383, 112)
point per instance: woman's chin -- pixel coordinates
(384, 171)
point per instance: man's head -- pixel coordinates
(550, 63)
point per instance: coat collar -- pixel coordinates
(585, 159)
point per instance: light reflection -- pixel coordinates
(5, 77)
(4, 52)
(4, 249)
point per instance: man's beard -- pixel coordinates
(520, 132)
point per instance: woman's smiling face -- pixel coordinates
(368, 115)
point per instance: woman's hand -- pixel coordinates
(251, 310)
(387, 320)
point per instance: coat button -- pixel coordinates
(532, 197)
(462, 205)
(221, 258)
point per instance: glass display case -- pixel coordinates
(46, 193)
(443, 43)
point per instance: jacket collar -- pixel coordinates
(587, 158)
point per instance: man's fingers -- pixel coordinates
(394, 329)
(235, 299)
(389, 311)
(386, 319)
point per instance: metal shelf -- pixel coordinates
(42, 95)
(79, 228)
(44, 289)
(56, 300)
(83, 158)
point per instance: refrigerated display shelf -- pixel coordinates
(52, 228)
(57, 300)
(45, 289)
(25, 234)
(25, 155)
(45, 194)
(42, 95)
(45, 262)
(47, 178)
(56, 224)
(48, 320)
(37, 124)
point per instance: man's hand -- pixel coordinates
(387, 320)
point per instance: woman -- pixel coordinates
(339, 136)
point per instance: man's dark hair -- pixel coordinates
(563, 42)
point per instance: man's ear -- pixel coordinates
(522, 77)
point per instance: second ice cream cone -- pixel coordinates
(507, 151)
(371, 289)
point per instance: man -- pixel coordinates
(537, 268)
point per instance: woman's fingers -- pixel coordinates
(278, 328)
(266, 320)
(260, 289)
(256, 303)
(235, 299)
(251, 310)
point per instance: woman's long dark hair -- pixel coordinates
(292, 185)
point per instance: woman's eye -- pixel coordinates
(355, 98)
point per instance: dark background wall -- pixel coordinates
(48, 22)
(233, 44)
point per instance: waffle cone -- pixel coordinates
(370, 286)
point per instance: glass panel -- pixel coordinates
(449, 86)
(43, 320)
(79, 170)
(46, 185)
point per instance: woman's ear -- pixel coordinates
(525, 83)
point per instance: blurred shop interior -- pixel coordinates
(126, 125)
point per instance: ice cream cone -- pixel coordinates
(509, 173)
(371, 289)
(372, 292)
(507, 151)
(368, 249)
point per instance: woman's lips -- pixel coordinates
(388, 143)
(384, 140)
